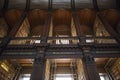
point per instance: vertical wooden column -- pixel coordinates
(38, 72)
(90, 67)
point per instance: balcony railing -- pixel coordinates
(61, 40)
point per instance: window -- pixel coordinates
(24, 77)
(62, 41)
(103, 76)
(35, 41)
(63, 77)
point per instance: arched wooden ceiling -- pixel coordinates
(13, 16)
(112, 16)
(62, 22)
(87, 17)
(3, 28)
(86, 20)
(61, 16)
(37, 19)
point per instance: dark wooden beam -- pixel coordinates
(39, 66)
(55, 56)
(46, 28)
(23, 16)
(73, 5)
(107, 55)
(90, 68)
(118, 4)
(52, 56)
(18, 56)
(77, 23)
(15, 29)
(95, 5)
(5, 6)
(50, 5)
(109, 28)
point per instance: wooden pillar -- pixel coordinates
(89, 66)
(38, 72)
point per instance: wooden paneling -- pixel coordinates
(13, 17)
(61, 16)
(62, 22)
(112, 16)
(3, 28)
(87, 17)
(37, 20)
(37, 17)
(86, 20)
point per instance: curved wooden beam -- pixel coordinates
(23, 16)
(15, 29)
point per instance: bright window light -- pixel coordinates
(62, 41)
(89, 41)
(26, 78)
(102, 78)
(37, 41)
(63, 78)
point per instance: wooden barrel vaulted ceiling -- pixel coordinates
(61, 15)
(13, 16)
(112, 16)
(61, 22)
(86, 20)
(37, 20)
